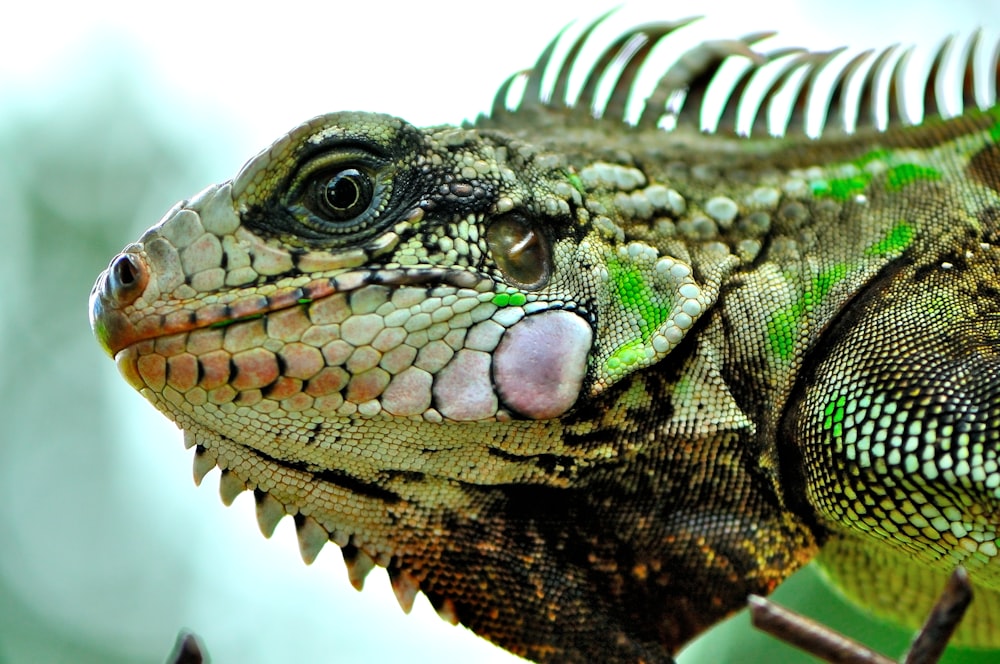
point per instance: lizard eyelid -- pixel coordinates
(341, 196)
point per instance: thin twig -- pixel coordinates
(930, 642)
(187, 650)
(825, 643)
(810, 636)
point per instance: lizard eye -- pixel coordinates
(342, 196)
(521, 251)
(340, 200)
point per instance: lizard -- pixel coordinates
(587, 383)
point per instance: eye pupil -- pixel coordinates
(344, 195)
(343, 190)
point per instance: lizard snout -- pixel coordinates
(116, 288)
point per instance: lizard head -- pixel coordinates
(399, 336)
(447, 233)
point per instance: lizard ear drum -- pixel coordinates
(520, 251)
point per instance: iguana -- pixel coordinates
(588, 382)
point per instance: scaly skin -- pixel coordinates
(588, 386)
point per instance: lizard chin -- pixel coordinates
(360, 556)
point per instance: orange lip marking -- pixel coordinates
(115, 330)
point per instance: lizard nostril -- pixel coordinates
(124, 271)
(127, 278)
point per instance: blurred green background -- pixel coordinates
(109, 113)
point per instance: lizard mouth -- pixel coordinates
(119, 287)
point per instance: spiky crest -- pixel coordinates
(882, 77)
